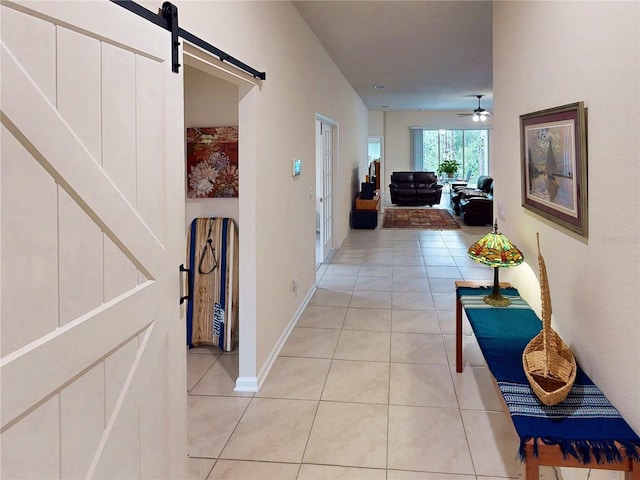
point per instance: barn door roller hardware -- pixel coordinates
(170, 14)
(168, 19)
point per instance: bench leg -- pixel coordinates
(458, 335)
(531, 467)
(634, 473)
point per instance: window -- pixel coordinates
(470, 148)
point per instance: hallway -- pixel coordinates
(365, 387)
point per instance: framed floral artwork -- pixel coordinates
(212, 162)
(554, 165)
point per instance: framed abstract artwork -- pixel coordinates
(212, 162)
(554, 165)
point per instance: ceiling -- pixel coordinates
(428, 55)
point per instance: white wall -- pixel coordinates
(396, 136)
(209, 102)
(301, 81)
(550, 54)
(376, 123)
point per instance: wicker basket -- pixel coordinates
(548, 363)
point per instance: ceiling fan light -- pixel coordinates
(483, 117)
(475, 117)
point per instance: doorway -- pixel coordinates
(375, 151)
(241, 88)
(325, 140)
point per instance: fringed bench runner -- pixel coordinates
(584, 430)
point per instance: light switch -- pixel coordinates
(502, 211)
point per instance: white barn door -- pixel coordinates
(92, 359)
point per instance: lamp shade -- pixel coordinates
(495, 250)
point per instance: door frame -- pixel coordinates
(197, 58)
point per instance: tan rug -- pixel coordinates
(419, 218)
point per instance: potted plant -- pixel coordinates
(448, 167)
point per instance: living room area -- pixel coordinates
(444, 216)
(445, 171)
(380, 211)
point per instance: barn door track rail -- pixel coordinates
(168, 19)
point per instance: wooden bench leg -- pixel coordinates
(531, 470)
(458, 335)
(634, 473)
(531, 467)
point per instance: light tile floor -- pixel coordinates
(365, 387)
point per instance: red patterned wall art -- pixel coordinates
(212, 162)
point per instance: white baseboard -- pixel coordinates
(246, 384)
(253, 384)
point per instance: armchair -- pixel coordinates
(477, 210)
(483, 187)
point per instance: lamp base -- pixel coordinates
(496, 300)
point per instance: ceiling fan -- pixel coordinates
(479, 114)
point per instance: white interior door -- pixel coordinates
(92, 209)
(326, 194)
(319, 194)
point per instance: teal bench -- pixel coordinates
(584, 430)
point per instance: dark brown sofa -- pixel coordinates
(415, 188)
